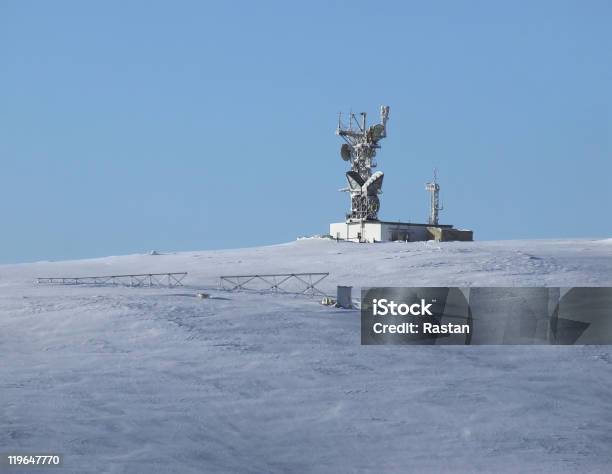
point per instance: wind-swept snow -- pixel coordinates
(157, 380)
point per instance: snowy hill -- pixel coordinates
(156, 380)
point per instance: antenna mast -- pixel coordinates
(434, 208)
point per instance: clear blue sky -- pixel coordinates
(127, 126)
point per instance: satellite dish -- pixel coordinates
(374, 184)
(345, 151)
(377, 132)
(354, 180)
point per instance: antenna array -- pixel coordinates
(359, 149)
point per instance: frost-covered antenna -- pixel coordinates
(360, 150)
(435, 207)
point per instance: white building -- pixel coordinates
(385, 231)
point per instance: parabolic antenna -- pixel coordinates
(373, 204)
(345, 151)
(377, 131)
(354, 180)
(374, 184)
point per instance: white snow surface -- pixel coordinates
(155, 380)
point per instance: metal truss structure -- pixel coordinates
(434, 206)
(361, 143)
(144, 279)
(293, 283)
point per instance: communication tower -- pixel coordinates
(362, 224)
(359, 149)
(434, 207)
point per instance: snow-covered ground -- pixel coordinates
(156, 380)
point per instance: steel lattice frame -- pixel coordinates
(143, 279)
(362, 145)
(274, 281)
